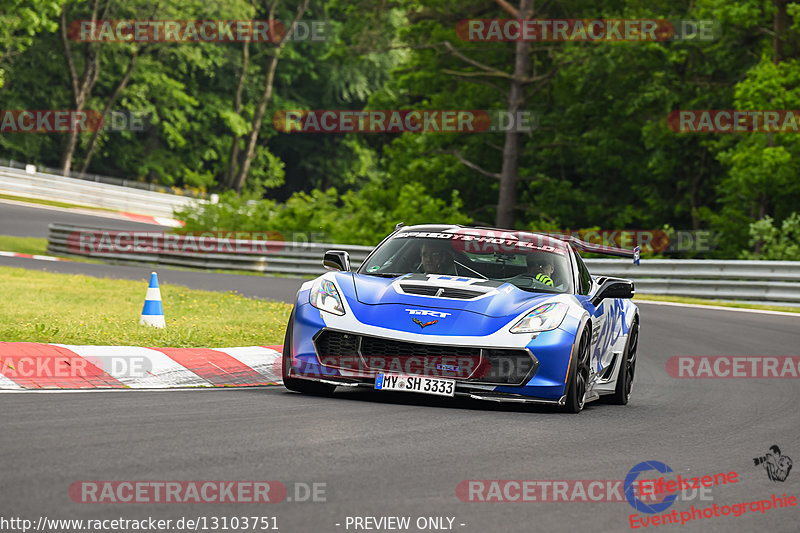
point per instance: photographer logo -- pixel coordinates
(777, 466)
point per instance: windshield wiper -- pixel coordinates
(470, 269)
(536, 289)
(382, 274)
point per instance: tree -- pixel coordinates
(762, 168)
(266, 95)
(516, 100)
(518, 81)
(20, 21)
(81, 83)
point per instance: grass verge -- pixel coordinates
(23, 245)
(701, 301)
(52, 203)
(37, 246)
(74, 309)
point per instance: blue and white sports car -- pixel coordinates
(459, 311)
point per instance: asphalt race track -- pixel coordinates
(397, 455)
(32, 221)
(389, 455)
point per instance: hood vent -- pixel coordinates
(440, 292)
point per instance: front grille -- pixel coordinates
(441, 292)
(379, 347)
(344, 345)
(341, 344)
(369, 354)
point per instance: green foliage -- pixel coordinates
(777, 243)
(355, 217)
(602, 154)
(20, 22)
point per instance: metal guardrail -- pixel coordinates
(98, 178)
(83, 192)
(766, 281)
(293, 258)
(773, 281)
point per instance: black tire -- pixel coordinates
(579, 372)
(627, 369)
(299, 385)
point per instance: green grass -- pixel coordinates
(701, 301)
(73, 309)
(52, 203)
(23, 245)
(36, 246)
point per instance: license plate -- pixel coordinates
(421, 384)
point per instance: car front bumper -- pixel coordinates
(544, 381)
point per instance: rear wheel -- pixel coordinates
(627, 369)
(299, 385)
(579, 372)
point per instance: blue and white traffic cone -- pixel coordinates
(153, 312)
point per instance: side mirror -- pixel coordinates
(336, 260)
(613, 288)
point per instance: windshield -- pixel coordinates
(530, 266)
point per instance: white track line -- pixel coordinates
(28, 256)
(717, 308)
(128, 391)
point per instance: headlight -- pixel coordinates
(325, 296)
(543, 318)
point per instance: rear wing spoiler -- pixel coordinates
(589, 247)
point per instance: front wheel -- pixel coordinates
(579, 373)
(299, 385)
